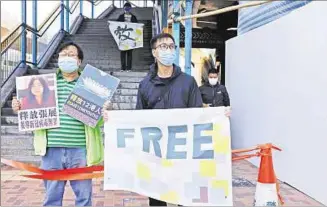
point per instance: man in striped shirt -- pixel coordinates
(66, 146)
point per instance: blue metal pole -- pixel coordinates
(188, 37)
(164, 6)
(23, 45)
(176, 29)
(92, 2)
(81, 7)
(34, 38)
(62, 15)
(67, 16)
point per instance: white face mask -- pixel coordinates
(213, 81)
(67, 64)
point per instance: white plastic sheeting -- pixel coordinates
(252, 17)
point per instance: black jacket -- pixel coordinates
(178, 91)
(121, 18)
(216, 95)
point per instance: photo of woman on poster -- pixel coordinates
(38, 95)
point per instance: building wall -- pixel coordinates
(253, 17)
(276, 77)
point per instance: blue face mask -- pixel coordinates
(67, 64)
(167, 57)
(127, 9)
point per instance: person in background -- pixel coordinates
(213, 94)
(127, 16)
(38, 95)
(73, 144)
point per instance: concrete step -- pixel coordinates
(104, 22)
(104, 30)
(17, 142)
(105, 46)
(130, 74)
(32, 159)
(9, 120)
(85, 31)
(113, 67)
(118, 74)
(12, 130)
(124, 106)
(18, 152)
(99, 30)
(124, 99)
(126, 92)
(82, 36)
(129, 85)
(127, 79)
(144, 14)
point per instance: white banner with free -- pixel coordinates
(181, 156)
(127, 35)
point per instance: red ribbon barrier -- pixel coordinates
(88, 172)
(82, 173)
(78, 176)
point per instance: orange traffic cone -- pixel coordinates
(267, 190)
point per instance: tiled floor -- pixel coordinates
(20, 191)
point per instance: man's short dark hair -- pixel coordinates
(127, 4)
(160, 36)
(80, 53)
(214, 71)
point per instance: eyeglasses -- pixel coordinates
(165, 46)
(67, 55)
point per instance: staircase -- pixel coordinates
(100, 50)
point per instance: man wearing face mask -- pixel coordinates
(166, 86)
(73, 144)
(213, 94)
(127, 16)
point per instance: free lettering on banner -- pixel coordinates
(39, 104)
(181, 156)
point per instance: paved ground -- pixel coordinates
(20, 191)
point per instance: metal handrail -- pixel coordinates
(50, 44)
(70, 10)
(9, 41)
(10, 35)
(12, 42)
(51, 14)
(29, 28)
(41, 25)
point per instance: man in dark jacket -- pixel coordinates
(166, 86)
(127, 16)
(213, 94)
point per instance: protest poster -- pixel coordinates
(92, 89)
(127, 35)
(168, 156)
(39, 106)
